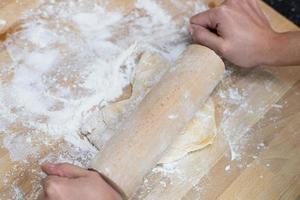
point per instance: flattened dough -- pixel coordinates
(101, 124)
(199, 133)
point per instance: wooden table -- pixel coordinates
(271, 172)
(268, 171)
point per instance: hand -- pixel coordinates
(238, 30)
(69, 182)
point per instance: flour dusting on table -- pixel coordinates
(70, 52)
(71, 58)
(2, 23)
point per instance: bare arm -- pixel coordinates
(285, 50)
(239, 31)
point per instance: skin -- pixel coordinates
(239, 31)
(69, 182)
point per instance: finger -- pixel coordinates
(64, 170)
(204, 19)
(48, 168)
(205, 37)
(46, 182)
(52, 187)
(260, 11)
(42, 196)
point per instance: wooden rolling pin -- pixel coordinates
(171, 104)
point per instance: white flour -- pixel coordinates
(158, 14)
(74, 57)
(2, 23)
(20, 147)
(69, 59)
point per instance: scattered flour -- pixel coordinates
(17, 193)
(227, 168)
(153, 9)
(20, 147)
(72, 58)
(232, 97)
(172, 117)
(2, 23)
(277, 106)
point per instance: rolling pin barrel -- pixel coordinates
(164, 112)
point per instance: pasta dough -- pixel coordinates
(148, 72)
(199, 133)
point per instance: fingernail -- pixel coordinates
(49, 166)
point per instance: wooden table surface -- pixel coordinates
(269, 172)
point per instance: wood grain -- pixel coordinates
(149, 131)
(271, 172)
(252, 176)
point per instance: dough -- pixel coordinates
(100, 125)
(199, 133)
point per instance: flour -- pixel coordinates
(2, 23)
(235, 136)
(17, 193)
(71, 58)
(42, 72)
(172, 117)
(39, 35)
(153, 9)
(232, 96)
(241, 111)
(227, 168)
(167, 169)
(20, 147)
(277, 106)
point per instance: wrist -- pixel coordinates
(271, 53)
(283, 49)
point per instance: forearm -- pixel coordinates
(284, 50)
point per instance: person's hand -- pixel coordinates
(69, 182)
(237, 30)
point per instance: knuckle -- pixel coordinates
(53, 186)
(221, 11)
(193, 19)
(63, 167)
(224, 49)
(198, 37)
(234, 2)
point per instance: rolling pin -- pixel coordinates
(169, 106)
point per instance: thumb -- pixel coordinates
(205, 37)
(64, 170)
